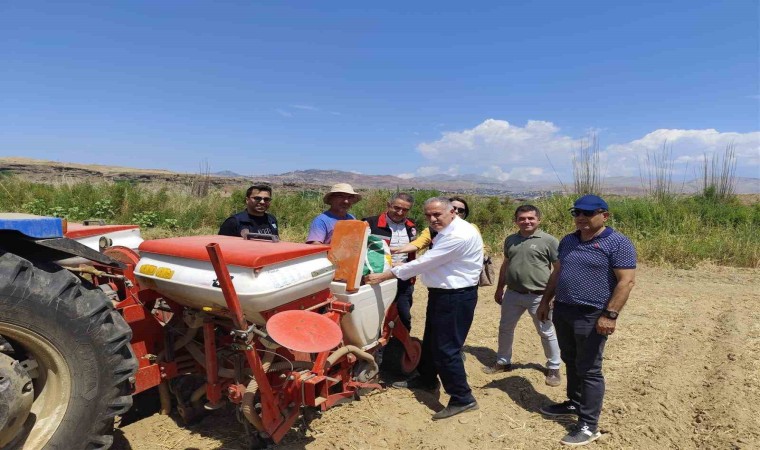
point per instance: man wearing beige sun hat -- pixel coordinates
(340, 198)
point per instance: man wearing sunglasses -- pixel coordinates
(255, 218)
(395, 227)
(590, 286)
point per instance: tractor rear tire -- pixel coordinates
(80, 346)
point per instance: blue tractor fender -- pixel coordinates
(36, 227)
(28, 235)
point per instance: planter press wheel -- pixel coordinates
(410, 361)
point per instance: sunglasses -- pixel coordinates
(460, 210)
(585, 212)
(262, 199)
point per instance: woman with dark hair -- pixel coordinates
(461, 207)
(425, 239)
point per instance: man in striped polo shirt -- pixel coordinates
(590, 286)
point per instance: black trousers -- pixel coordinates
(404, 302)
(581, 349)
(448, 320)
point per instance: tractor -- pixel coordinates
(91, 315)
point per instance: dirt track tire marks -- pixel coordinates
(676, 376)
(730, 387)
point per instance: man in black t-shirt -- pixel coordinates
(255, 218)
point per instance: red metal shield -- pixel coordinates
(304, 331)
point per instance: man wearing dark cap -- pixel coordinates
(590, 286)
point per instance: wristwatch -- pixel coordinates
(610, 314)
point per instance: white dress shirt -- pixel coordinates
(454, 262)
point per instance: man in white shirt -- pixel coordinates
(450, 270)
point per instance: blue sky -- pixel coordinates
(411, 88)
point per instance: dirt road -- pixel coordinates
(682, 372)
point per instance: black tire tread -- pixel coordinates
(20, 280)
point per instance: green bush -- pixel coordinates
(675, 230)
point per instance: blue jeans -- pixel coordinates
(448, 320)
(582, 349)
(513, 305)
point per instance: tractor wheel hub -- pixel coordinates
(17, 393)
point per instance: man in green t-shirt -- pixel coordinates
(529, 257)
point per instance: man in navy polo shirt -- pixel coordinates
(590, 286)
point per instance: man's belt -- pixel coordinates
(541, 292)
(453, 291)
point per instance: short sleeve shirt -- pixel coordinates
(234, 225)
(586, 274)
(530, 260)
(321, 229)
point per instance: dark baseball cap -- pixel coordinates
(590, 203)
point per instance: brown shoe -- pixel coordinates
(553, 378)
(497, 368)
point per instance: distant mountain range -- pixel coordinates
(57, 172)
(480, 184)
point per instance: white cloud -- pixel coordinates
(517, 173)
(284, 113)
(428, 170)
(506, 151)
(425, 171)
(497, 142)
(452, 170)
(305, 107)
(686, 159)
(688, 147)
(302, 107)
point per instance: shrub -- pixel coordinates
(674, 230)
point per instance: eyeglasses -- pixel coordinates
(585, 212)
(399, 208)
(460, 210)
(261, 199)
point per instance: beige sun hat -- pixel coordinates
(342, 188)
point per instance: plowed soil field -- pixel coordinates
(682, 370)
